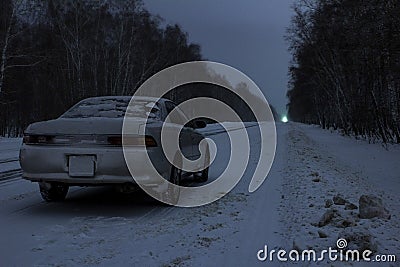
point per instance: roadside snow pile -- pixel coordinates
(371, 207)
(337, 218)
(338, 200)
(360, 239)
(9, 147)
(325, 198)
(9, 152)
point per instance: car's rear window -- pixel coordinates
(113, 108)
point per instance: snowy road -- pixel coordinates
(96, 226)
(9, 165)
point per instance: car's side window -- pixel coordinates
(178, 117)
(155, 112)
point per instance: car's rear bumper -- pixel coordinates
(65, 178)
(51, 164)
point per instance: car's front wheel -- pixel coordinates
(53, 192)
(173, 192)
(204, 173)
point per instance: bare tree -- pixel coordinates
(345, 66)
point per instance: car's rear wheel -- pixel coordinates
(53, 192)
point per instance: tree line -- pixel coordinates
(57, 52)
(345, 72)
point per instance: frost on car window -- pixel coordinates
(114, 108)
(144, 110)
(152, 110)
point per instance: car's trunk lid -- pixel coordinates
(85, 126)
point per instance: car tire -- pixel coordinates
(176, 176)
(171, 196)
(53, 192)
(204, 173)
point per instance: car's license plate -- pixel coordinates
(81, 166)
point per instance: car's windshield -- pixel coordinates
(113, 108)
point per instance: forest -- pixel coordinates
(345, 72)
(57, 52)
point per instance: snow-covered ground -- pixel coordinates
(321, 165)
(97, 226)
(9, 162)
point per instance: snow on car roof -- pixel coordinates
(139, 98)
(114, 107)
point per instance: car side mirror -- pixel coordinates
(199, 124)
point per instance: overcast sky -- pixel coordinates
(247, 35)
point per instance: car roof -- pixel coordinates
(128, 98)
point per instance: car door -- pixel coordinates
(185, 137)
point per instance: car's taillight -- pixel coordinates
(37, 139)
(150, 142)
(147, 141)
(115, 140)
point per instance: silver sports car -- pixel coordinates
(84, 146)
